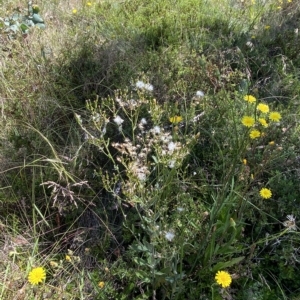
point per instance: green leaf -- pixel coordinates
(224, 265)
(226, 250)
(140, 261)
(24, 27)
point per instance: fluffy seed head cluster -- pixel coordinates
(146, 86)
(37, 275)
(199, 94)
(169, 236)
(265, 193)
(290, 223)
(223, 278)
(118, 120)
(147, 142)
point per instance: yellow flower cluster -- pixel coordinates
(263, 108)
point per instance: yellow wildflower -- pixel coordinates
(272, 143)
(37, 275)
(264, 108)
(248, 121)
(74, 11)
(265, 193)
(255, 134)
(263, 122)
(275, 116)
(244, 161)
(101, 284)
(175, 119)
(250, 98)
(223, 278)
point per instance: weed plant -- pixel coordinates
(150, 150)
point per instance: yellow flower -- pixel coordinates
(265, 193)
(264, 108)
(175, 119)
(37, 275)
(74, 11)
(250, 98)
(244, 161)
(254, 134)
(248, 121)
(89, 4)
(263, 122)
(101, 284)
(223, 278)
(275, 116)
(68, 258)
(272, 143)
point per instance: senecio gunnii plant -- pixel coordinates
(179, 226)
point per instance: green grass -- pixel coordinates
(115, 200)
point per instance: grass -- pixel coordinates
(128, 170)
